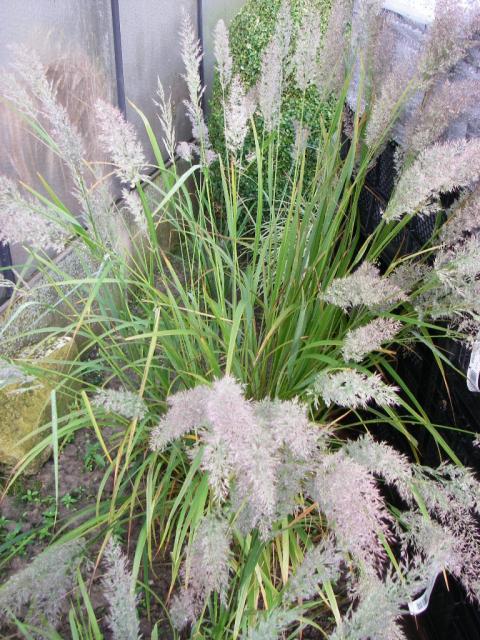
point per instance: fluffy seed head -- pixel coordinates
(119, 139)
(339, 483)
(124, 403)
(330, 73)
(26, 221)
(134, 206)
(444, 105)
(439, 168)
(271, 76)
(463, 219)
(449, 36)
(207, 567)
(352, 389)
(384, 461)
(306, 48)
(118, 591)
(222, 54)
(43, 585)
(166, 118)
(364, 286)
(320, 563)
(362, 341)
(237, 113)
(302, 135)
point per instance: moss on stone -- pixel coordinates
(26, 408)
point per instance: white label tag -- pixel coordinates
(473, 373)
(421, 604)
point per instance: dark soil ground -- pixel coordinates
(28, 524)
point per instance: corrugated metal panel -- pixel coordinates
(151, 49)
(74, 42)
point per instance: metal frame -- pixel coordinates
(117, 47)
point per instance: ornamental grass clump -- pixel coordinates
(234, 367)
(334, 478)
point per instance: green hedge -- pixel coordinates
(250, 32)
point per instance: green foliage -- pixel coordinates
(250, 32)
(242, 292)
(252, 28)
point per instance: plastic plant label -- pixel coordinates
(473, 373)
(421, 604)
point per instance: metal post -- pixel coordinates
(117, 47)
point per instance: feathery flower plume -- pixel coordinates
(290, 483)
(249, 448)
(362, 341)
(330, 72)
(408, 274)
(302, 135)
(186, 150)
(222, 54)
(382, 460)
(237, 113)
(304, 59)
(367, 24)
(439, 168)
(351, 389)
(192, 56)
(272, 625)
(444, 105)
(245, 446)
(135, 207)
(449, 37)
(207, 567)
(284, 28)
(434, 542)
(29, 69)
(457, 301)
(206, 570)
(288, 423)
(340, 482)
(43, 585)
(463, 218)
(186, 412)
(396, 87)
(26, 221)
(167, 121)
(124, 403)
(451, 495)
(15, 93)
(271, 76)
(365, 286)
(381, 604)
(183, 609)
(119, 139)
(118, 591)
(270, 85)
(320, 563)
(458, 264)
(217, 463)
